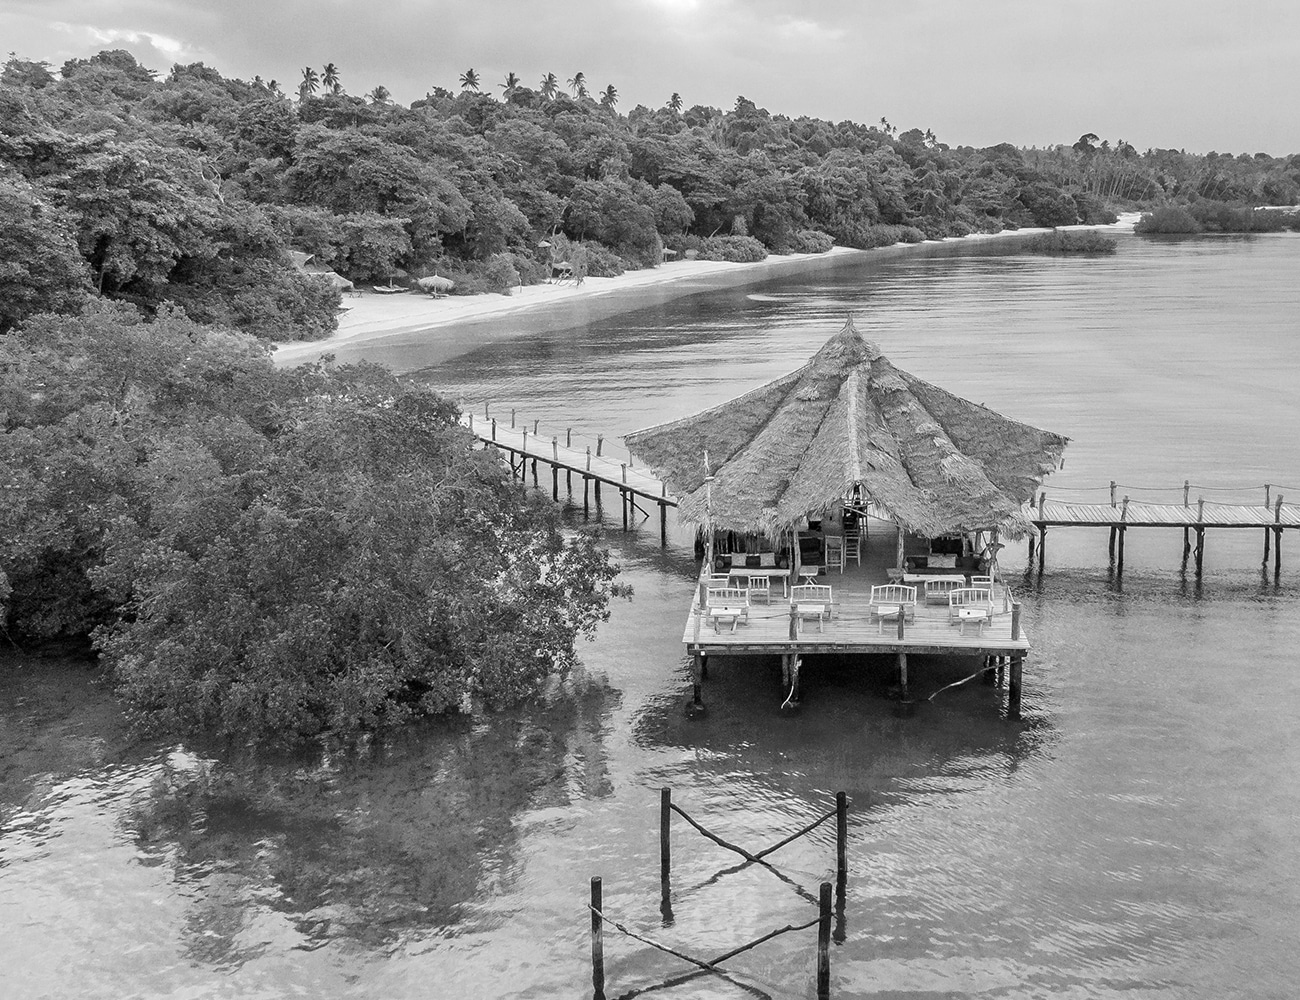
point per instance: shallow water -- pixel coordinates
(1133, 835)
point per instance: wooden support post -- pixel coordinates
(494, 428)
(1110, 549)
(663, 518)
(624, 497)
(1015, 621)
(785, 671)
(794, 621)
(841, 838)
(597, 486)
(600, 443)
(902, 673)
(1013, 687)
(597, 941)
(586, 503)
(1187, 492)
(1200, 548)
(794, 678)
(1029, 566)
(899, 546)
(1187, 546)
(1119, 562)
(1042, 547)
(555, 482)
(1277, 542)
(1112, 493)
(665, 826)
(697, 680)
(901, 616)
(824, 944)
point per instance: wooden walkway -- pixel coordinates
(1270, 517)
(523, 444)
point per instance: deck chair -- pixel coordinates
(727, 604)
(811, 600)
(759, 586)
(970, 605)
(891, 599)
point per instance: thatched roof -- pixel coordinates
(848, 418)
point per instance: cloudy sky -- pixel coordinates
(1194, 74)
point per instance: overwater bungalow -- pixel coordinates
(850, 507)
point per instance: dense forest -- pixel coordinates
(191, 189)
(253, 550)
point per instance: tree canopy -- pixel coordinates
(193, 187)
(261, 551)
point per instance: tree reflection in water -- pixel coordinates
(378, 843)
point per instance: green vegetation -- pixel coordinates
(1216, 217)
(269, 552)
(1070, 242)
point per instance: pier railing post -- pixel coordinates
(494, 428)
(1015, 621)
(1112, 493)
(597, 941)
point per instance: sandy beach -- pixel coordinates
(373, 323)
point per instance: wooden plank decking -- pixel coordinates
(851, 630)
(1065, 513)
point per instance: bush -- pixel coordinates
(1070, 243)
(500, 275)
(1170, 219)
(812, 241)
(1092, 212)
(734, 249)
(681, 242)
(602, 262)
(1220, 217)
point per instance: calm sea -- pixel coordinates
(1135, 835)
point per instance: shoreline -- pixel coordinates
(388, 327)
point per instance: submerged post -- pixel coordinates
(597, 941)
(824, 944)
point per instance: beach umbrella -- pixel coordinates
(850, 423)
(436, 284)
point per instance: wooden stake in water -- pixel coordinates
(824, 944)
(665, 827)
(597, 941)
(841, 836)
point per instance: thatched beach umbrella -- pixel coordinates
(436, 284)
(848, 423)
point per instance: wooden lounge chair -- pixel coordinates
(889, 600)
(811, 600)
(727, 604)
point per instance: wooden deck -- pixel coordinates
(851, 628)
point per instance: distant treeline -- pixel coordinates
(193, 188)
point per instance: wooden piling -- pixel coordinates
(1013, 687)
(663, 518)
(824, 944)
(622, 494)
(1277, 542)
(1119, 563)
(841, 836)
(1200, 549)
(665, 826)
(597, 941)
(1042, 547)
(1110, 549)
(697, 678)
(902, 673)
(1015, 621)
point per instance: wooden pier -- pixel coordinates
(523, 443)
(1272, 518)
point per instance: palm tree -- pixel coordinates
(510, 86)
(469, 80)
(578, 84)
(549, 86)
(609, 97)
(379, 95)
(329, 77)
(675, 103)
(274, 87)
(310, 83)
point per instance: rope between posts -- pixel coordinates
(712, 964)
(795, 836)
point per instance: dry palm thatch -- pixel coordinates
(849, 420)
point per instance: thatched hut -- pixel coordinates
(850, 425)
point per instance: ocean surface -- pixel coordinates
(1134, 835)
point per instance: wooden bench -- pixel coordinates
(727, 604)
(937, 591)
(970, 604)
(811, 600)
(890, 600)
